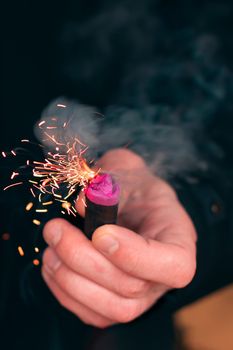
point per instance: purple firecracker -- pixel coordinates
(102, 198)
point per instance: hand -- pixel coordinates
(127, 267)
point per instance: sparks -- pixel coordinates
(60, 174)
(36, 222)
(33, 182)
(84, 203)
(12, 185)
(69, 169)
(20, 250)
(29, 206)
(41, 210)
(41, 123)
(13, 175)
(61, 105)
(47, 203)
(36, 262)
(32, 192)
(66, 205)
(24, 140)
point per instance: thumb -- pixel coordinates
(144, 258)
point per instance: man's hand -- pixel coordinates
(127, 267)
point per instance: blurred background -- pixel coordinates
(176, 56)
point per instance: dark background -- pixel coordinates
(177, 55)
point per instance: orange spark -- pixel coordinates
(66, 205)
(36, 262)
(29, 206)
(36, 222)
(20, 250)
(47, 203)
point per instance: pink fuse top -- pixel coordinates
(103, 190)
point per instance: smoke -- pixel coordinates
(160, 77)
(167, 147)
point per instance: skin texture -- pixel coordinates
(127, 267)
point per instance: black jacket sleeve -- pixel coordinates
(208, 200)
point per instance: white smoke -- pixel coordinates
(167, 146)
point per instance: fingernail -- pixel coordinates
(107, 244)
(51, 261)
(52, 234)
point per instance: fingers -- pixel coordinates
(93, 297)
(85, 314)
(74, 250)
(169, 264)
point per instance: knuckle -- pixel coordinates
(64, 280)
(72, 259)
(127, 312)
(134, 263)
(134, 289)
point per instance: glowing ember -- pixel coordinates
(6, 236)
(20, 250)
(60, 105)
(36, 222)
(37, 249)
(29, 206)
(36, 262)
(47, 203)
(25, 140)
(41, 210)
(66, 205)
